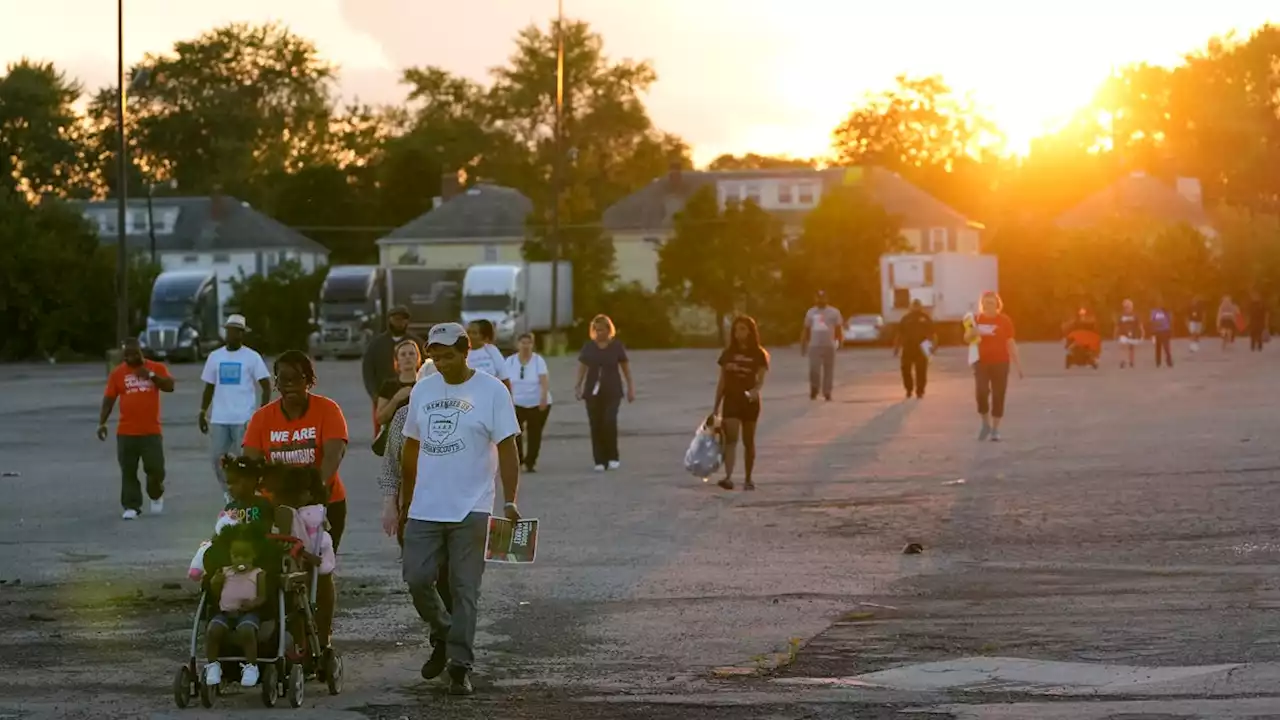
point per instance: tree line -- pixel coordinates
(252, 111)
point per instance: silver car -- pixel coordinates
(864, 330)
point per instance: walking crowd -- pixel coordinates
(455, 420)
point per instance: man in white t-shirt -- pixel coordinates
(459, 433)
(484, 355)
(236, 384)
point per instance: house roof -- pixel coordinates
(1136, 195)
(234, 226)
(481, 212)
(654, 206)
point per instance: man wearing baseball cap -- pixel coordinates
(460, 431)
(379, 363)
(236, 383)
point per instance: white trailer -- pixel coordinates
(948, 285)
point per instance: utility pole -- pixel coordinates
(122, 189)
(557, 171)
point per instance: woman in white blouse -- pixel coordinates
(531, 393)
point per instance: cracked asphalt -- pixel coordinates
(1127, 518)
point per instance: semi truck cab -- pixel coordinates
(350, 311)
(183, 320)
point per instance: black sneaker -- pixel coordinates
(435, 664)
(460, 681)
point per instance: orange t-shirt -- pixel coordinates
(300, 441)
(139, 399)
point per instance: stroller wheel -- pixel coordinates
(295, 687)
(206, 694)
(332, 663)
(182, 682)
(270, 685)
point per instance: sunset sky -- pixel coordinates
(734, 75)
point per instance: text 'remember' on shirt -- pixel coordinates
(457, 427)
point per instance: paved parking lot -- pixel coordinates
(1128, 516)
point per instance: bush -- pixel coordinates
(57, 283)
(277, 305)
(643, 318)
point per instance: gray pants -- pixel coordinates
(149, 450)
(426, 545)
(822, 365)
(224, 439)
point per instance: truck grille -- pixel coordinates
(338, 334)
(164, 339)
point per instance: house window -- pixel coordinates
(164, 220)
(785, 194)
(732, 193)
(191, 259)
(221, 258)
(107, 223)
(490, 253)
(138, 221)
(937, 240)
(753, 193)
(805, 194)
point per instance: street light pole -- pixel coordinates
(556, 171)
(122, 251)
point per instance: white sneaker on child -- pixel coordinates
(213, 674)
(614, 464)
(248, 675)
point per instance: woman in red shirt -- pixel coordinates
(302, 428)
(996, 349)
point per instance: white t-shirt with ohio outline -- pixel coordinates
(458, 428)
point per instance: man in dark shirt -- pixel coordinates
(1257, 322)
(914, 344)
(380, 356)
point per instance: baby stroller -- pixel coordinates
(1083, 348)
(282, 673)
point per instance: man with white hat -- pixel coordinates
(236, 383)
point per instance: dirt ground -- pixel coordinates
(1126, 518)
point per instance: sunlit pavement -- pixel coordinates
(1126, 521)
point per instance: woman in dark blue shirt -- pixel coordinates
(602, 368)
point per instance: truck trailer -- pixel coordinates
(948, 285)
(516, 298)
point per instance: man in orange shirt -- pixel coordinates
(137, 384)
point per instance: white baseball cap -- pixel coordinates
(235, 321)
(446, 334)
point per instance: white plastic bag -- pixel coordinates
(704, 455)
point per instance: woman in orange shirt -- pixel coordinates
(302, 428)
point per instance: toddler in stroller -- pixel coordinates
(240, 592)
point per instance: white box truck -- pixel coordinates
(516, 298)
(947, 284)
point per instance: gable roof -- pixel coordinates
(1136, 195)
(654, 206)
(234, 226)
(481, 212)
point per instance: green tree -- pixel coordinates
(57, 282)
(41, 138)
(723, 260)
(227, 110)
(752, 161)
(923, 131)
(282, 300)
(839, 250)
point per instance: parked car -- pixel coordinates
(864, 330)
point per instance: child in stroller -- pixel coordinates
(240, 592)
